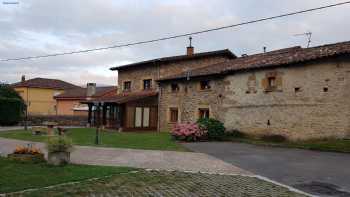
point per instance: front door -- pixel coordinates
(142, 117)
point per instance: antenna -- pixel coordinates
(190, 38)
(308, 35)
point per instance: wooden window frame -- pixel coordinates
(205, 86)
(124, 86)
(145, 87)
(202, 112)
(171, 118)
(176, 89)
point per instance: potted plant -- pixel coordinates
(59, 148)
(27, 153)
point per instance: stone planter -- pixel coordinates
(58, 158)
(27, 157)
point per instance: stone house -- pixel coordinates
(298, 92)
(135, 107)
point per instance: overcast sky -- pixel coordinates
(38, 27)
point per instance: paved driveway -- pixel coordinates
(319, 173)
(164, 160)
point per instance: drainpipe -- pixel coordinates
(158, 108)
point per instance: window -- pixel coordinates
(127, 85)
(175, 87)
(272, 82)
(203, 113)
(147, 84)
(174, 114)
(204, 85)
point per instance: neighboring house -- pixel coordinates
(70, 102)
(38, 94)
(136, 105)
(300, 93)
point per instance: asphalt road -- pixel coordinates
(318, 173)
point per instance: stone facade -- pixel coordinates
(188, 100)
(308, 100)
(139, 73)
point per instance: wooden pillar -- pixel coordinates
(104, 113)
(90, 114)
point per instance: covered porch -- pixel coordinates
(125, 112)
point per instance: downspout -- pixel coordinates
(159, 95)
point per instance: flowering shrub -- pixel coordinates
(187, 132)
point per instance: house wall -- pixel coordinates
(241, 101)
(138, 74)
(40, 101)
(65, 107)
(309, 113)
(188, 100)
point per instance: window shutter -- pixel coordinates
(264, 83)
(279, 82)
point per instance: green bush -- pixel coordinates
(59, 144)
(215, 129)
(12, 106)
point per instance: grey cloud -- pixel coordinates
(37, 27)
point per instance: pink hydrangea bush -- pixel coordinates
(187, 132)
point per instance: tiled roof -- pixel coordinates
(126, 97)
(224, 52)
(44, 83)
(276, 58)
(80, 93)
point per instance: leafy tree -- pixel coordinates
(12, 106)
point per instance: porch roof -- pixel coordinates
(124, 97)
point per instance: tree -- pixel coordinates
(12, 106)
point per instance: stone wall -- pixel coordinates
(37, 120)
(313, 101)
(188, 100)
(309, 101)
(139, 73)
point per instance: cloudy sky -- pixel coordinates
(39, 27)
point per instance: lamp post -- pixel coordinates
(98, 123)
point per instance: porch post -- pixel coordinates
(89, 114)
(104, 113)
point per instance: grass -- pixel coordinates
(17, 176)
(332, 145)
(116, 181)
(86, 137)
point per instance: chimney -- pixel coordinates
(23, 78)
(190, 49)
(264, 49)
(90, 89)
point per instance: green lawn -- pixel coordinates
(16, 176)
(333, 145)
(86, 137)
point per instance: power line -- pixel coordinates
(176, 36)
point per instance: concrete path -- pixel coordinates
(164, 160)
(319, 173)
(11, 128)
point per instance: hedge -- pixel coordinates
(11, 110)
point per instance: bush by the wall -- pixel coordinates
(236, 134)
(12, 106)
(274, 138)
(215, 129)
(187, 132)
